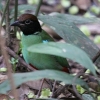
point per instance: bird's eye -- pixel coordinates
(28, 21)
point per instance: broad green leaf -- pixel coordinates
(64, 50)
(24, 7)
(64, 26)
(87, 97)
(78, 20)
(50, 74)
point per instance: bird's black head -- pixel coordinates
(28, 24)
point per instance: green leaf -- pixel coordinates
(45, 93)
(51, 74)
(64, 50)
(87, 97)
(80, 89)
(24, 7)
(78, 20)
(31, 95)
(64, 26)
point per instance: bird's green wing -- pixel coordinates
(46, 36)
(62, 61)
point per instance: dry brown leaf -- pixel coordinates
(36, 84)
(4, 97)
(23, 90)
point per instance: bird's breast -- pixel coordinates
(30, 40)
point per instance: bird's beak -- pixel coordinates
(16, 23)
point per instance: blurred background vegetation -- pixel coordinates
(85, 8)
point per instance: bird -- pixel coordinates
(32, 33)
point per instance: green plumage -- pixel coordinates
(41, 61)
(33, 34)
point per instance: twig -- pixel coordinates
(8, 65)
(54, 85)
(59, 91)
(15, 15)
(73, 85)
(13, 54)
(3, 16)
(6, 57)
(7, 27)
(76, 93)
(73, 92)
(96, 56)
(81, 73)
(40, 88)
(38, 7)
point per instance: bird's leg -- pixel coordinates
(40, 88)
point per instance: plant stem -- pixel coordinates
(5, 54)
(96, 57)
(13, 54)
(38, 7)
(3, 16)
(7, 27)
(15, 17)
